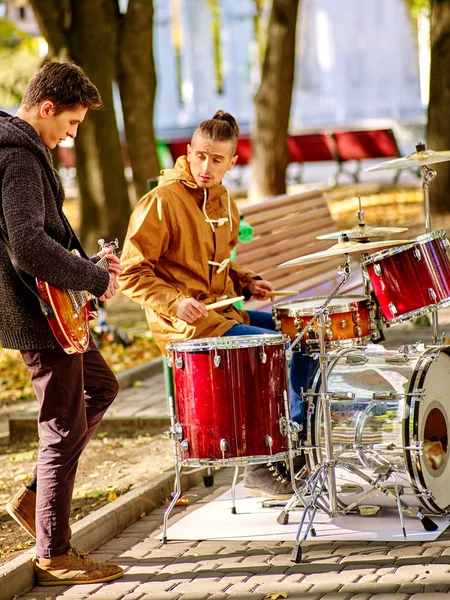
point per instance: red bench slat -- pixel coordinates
(361, 145)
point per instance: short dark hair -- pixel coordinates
(221, 128)
(63, 83)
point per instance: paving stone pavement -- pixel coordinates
(220, 570)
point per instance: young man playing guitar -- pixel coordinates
(36, 242)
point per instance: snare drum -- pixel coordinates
(229, 399)
(411, 280)
(389, 408)
(349, 321)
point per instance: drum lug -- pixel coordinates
(217, 360)
(417, 254)
(342, 396)
(432, 294)
(175, 432)
(357, 331)
(179, 362)
(298, 324)
(392, 308)
(356, 317)
(283, 426)
(277, 324)
(356, 359)
(343, 324)
(397, 358)
(263, 357)
(386, 396)
(169, 361)
(223, 447)
(268, 442)
(288, 354)
(377, 269)
(184, 446)
(329, 334)
(327, 320)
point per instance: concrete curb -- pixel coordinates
(148, 369)
(17, 575)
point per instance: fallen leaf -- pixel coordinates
(276, 595)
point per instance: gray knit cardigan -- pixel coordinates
(37, 232)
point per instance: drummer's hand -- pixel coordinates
(260, 289)
(191, 309)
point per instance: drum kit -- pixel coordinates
(379, 416)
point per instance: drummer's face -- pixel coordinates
(209, 160)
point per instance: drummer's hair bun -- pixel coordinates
(221, 128)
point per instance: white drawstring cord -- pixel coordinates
(221, 220)
(221, 265)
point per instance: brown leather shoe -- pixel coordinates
(74, 567)
(22, 508)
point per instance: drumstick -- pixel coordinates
(224, 302)
(283, 293)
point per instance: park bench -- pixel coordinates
(342, 147)
(286, 227)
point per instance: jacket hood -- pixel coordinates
(17, 133)
(180, 172)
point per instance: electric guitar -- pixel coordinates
(68, 311)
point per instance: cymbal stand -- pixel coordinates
(326, 472)
(428, 175)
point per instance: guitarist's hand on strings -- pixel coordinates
(113, 286)
(114, 265)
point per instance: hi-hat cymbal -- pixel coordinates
(362, 232)
(416, 159)
(342, 248)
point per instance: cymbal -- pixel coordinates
(416, 159)
(342, 248)
(362, 232)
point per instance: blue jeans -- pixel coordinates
(302, 366)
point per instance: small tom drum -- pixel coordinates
(411, 280)
(349, 321)
(229, 398)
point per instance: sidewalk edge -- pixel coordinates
(17, 575)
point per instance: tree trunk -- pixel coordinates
(86, 31)
(93, 44)
(438, 132)
(93, 217)
(137, 83)
(273, 103)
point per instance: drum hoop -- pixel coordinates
(228, 342)
(421, 239)
(286, 311)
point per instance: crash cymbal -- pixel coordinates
(362, 232)
(414, 160)
(342, 248)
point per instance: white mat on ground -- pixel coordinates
(214, 521)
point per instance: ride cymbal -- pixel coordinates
(342, 248)
(414, 160)
(362, 232)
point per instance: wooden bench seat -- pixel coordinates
(286, 227)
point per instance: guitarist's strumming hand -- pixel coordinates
(111, 289)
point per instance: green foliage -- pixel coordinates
(415, 6)
(19, 61)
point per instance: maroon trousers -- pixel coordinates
(73, 391)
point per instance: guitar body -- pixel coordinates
(71, 312)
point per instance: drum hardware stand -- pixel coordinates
(428, 175)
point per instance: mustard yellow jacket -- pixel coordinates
(168, 252)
